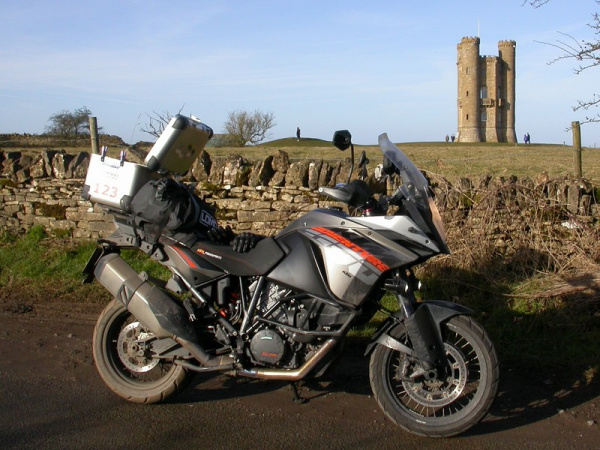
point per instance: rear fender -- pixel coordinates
(428, 315)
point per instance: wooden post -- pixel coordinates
(577, 149)
(94, 135)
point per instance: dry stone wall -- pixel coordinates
(265, 196)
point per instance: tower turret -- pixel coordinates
(468, 90)
(507, 56)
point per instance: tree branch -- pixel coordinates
(158, 122)
(586, 52)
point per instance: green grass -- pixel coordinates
(292, 142)
(37, 264)
(32, 258)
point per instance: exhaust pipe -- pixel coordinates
(288, 374)
(149, 304)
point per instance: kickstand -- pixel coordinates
(295, 394)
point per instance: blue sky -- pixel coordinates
(370, 67)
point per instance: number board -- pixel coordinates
(113, 183)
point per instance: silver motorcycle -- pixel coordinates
(282, 310)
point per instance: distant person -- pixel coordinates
(298, 133)
(452, 137)
(447, 138)
(528, 138)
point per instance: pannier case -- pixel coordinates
(112, 182)
(178, 145)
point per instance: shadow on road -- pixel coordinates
(520, 401)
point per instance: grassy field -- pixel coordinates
(456, 160)
(449, 160)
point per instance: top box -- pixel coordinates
(178, 146)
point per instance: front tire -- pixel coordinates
(450, 403)
(125, 366)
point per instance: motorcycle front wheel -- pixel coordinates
(121, 354)
(455, 399)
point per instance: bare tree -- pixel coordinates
(158, 122)
(585, 52)
(536, 3)
(69, 123)
(242, 127)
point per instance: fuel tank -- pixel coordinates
(333, 256)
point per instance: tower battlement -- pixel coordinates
(486, 92)
(470, 40)
(507, 44)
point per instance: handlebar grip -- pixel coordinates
(337, 194)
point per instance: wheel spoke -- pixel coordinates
(445, 396)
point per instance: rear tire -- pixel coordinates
(124, 365)
(452, 402)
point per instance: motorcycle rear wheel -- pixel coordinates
(449, 404)
(122, 364)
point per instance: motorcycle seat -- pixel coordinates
(258, 261)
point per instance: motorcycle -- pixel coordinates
(282, 310)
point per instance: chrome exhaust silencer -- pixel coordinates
(149, 304)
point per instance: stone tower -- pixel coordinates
(486, 93)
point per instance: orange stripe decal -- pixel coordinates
(369, 257)
(185, 257)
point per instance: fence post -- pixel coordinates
(94, 135)
(577, 148)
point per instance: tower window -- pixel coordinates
(467, 71)
(484, 116)
(483, 93)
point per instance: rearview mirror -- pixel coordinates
(342, 139)
(388, 167)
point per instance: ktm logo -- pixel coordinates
(201, 251)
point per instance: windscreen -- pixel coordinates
(414, 186)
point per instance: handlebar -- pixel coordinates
(355, 194)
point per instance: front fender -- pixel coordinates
(434, 312)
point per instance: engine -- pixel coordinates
(285, 318)
(268, 345)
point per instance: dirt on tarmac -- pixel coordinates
(52, 397)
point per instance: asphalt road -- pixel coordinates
(52, 397)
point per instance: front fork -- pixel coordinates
(422, 320)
